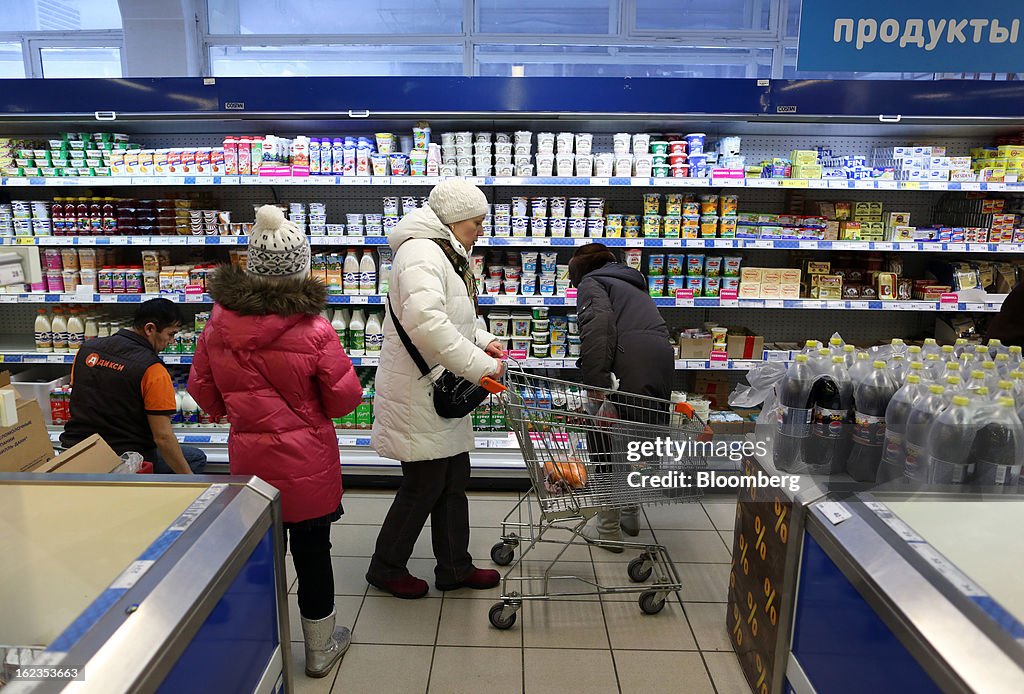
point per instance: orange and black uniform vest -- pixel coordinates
(107, 393)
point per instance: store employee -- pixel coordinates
(122, 391)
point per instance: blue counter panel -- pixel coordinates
(234, 645)
(843, 646)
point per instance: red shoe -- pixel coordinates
(408, 587)
(478, 579)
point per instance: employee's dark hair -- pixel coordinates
(160, 312)
(587, 259)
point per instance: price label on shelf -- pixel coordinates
(194, 294)
(598, 181)
(957, 247)
(684, 298)
(719, 359)
(108, 298)
(911, 185)
(571, 293)
(762, 243)
(729, 298)
(518, 354)
(949, 301)
(25, 241)
(885, 185)
(817, 183)
(57, 358)
(794, 183)
(774, 303)
(634, 243)
(761, 183)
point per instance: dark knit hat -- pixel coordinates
(587, 259)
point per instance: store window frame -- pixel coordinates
(33, 43)
(471, 38)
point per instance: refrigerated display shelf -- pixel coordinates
(545, 242)
(952, 305)
(562, 181)
(25, 357)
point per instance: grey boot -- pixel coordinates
(629, 519)
(324, 644)
(605, 529)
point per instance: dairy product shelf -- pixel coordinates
(543, 242)
(561, 181)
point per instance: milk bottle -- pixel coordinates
(43, 336)
(340, 325)
(356, 334)
(374, 335)
(367, 273)
(189, 410)
(59, 330)
(350, 273)
(76, 330)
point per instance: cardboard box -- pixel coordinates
(790, 290)
(742, 344)
(790, 276)
(714, 388)
(818, 267)
(751, 274)
(771, 276)
(25, 445)
(770, 291)
(694, 348)
(750, 290)
(92, 455)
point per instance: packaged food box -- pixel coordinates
(771, 276)
(817, 267)
(770, 290)
(751, 274)
(749, 289)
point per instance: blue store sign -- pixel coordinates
(912, 36)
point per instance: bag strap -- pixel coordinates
(417, 358)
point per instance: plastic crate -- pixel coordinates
(36, 384)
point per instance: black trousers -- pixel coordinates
(434, 488)
(311, 554)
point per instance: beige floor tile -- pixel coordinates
(726, 672)
(487, 513)
(630, 628)
(353, 540)
(723, 515)
(384, 669)
(347, 607)
(349, 575)
(704, 582)
(553, 542)
(308, 685)
(728, 538)
(644, 538)
(365, 510)
(465, 623)
(535, 568)
(388, 620)
(552, 670)
(688, 516)
(494, 495)
(562, 624)
(708, 622)
(472, 670)
(642, 672)
(420, 568)
(700, 546)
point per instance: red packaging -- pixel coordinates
(230, 156)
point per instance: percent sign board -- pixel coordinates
(757, 590)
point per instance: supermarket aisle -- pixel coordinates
(444, 643)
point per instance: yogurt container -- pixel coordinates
(584, 165)
(652, 203)
(641, 143)
(634, 257)
(660, 171)
(695, 143)
(674, 264)
(727, 227)
(620, 143)
(672, 226)
(547, 284)
(572, 325)
(713, 266)
(529, 261)
(573, 347)
(521, 323)
(604, 165)
(595, 228)
(559, 350)
(564, 142)
(698, 165)
(577, 228)
(512, 287)
(712, 286)
(695, 284)
(643, 165)
(652, 226)
(595, 207)
(548, 261)
(519, 206)
(708, 226)
(729, 146)
(731, 283)
(399, 164)
(584, 143)
(492, 286)
(540, 312)
(519, 345)
(731, 266)
(674, 284)
(695, 264)
(656, 285)
(540, 350)
(540, 325)
(539, 207)
(545, 164)
(528, 284)
(677, 147)
(558, 226)
(680, 171)
(538, 226)
(624, 165)
(577, 207)
(520, 225)
(656, 264)
(564, 164)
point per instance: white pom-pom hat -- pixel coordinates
(277, 247)
(455, 200)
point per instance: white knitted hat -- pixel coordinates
(277, 247)
(456, 199)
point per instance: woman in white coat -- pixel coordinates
(433, 296)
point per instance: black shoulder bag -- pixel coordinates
(454, 396)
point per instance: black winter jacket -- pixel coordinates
(623, 333)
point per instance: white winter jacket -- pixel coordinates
(432, 304)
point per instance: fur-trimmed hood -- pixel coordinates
(248, 295)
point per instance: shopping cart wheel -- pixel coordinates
(501, 554)
(650, 603)
(640, 569)
(497, 621)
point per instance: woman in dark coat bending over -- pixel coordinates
(625, 344)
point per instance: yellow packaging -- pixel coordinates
(750, 290)
(771, 276)
(771, 290)
(789, 290)
(790, 276)
(751, 274)
(803, 156)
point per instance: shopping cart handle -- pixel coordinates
(492, 386)
(685, 409)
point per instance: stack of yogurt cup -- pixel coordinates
(537, 334)
(521, 273)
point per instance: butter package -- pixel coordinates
(789, 290)
(771, 276)
(750, 289)
(770, 290)
(897, 219)
(751, 274)
(790, 276)
(801, 157)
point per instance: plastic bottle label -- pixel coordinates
(350, 282)
(893, 447)
(44, 340)
(945, 472)
(829, 424)
(374, 342)
(994, 473)
(868, 430)
(794, 421)
(358, 341)
(915, 457)
(367, 282)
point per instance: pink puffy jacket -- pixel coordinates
(270, 362)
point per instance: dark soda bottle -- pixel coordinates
(793, 417)
(871, 398)
(949, 444)
(894, 452)
(999, 445)
(924, 412)
(828, 446)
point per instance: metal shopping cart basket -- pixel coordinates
(588, 450)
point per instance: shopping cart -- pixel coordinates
(585, 452)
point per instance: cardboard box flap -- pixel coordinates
(91, 455)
